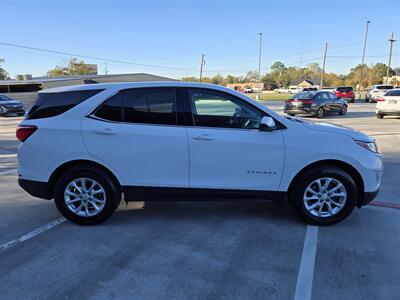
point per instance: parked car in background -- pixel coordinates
(248, 90)
(346, 93)
(377, 91)
(316, 104)
(187, 141)
(328, 89)
(388, 104)
(10, 106)
(294, 90)
(281, 90)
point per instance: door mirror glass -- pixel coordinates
(267, 124)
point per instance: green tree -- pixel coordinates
(73, 67)
(251, 76)
(218, 79)
(3, 72)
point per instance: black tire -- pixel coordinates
(111, 188)
(380, 116)
(299, 186)
(343, 110)
(320, 113)
(292, 115)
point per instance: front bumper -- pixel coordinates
(12, 110)
(36, 188)
(368, 197)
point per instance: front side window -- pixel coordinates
(151, 106)
(215, 109)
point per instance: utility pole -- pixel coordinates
(391, 41)
(323, 66)
(370, 75)
(203, 62)
(362, 61)
(259, 66)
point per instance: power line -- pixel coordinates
(95, 57)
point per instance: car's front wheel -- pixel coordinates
(343, 110)
(86, 195)
(379, 116)
(324, 196)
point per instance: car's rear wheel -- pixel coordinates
(324, 196)
(86, 195)
(380, 116)
(320, 113)
(343, 110)
(292, 115)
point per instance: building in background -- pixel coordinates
(25, 87)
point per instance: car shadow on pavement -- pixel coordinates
(199, 210)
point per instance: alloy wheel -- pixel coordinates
(325, 197)
(85, 197)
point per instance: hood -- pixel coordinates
(10, 102)
(337, 129)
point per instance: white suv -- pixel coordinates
(86, 145)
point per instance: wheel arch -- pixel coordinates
(353, 172)
(76, 163)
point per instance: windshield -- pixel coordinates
(4, 98)
(303, 95)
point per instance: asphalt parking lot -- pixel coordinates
(193, 250)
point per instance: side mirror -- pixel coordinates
(267, 124)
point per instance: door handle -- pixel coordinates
(105, 131)
(203, 138)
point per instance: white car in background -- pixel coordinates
(388, 104)
(377, 91)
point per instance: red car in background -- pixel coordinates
(346, 93)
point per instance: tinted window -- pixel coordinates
(151, 106)
(332, 96)
(111, 109)
(214, 109)
(53, 104)
(393, 93)
(344, 89)
(303, 95)
(384, 87)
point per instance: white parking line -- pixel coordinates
(31, 234)
(306, 272)
(9, 171)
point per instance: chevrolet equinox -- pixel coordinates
(87, 145)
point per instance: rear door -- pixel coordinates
(135, 133)
(227, 149)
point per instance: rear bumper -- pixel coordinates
(36, 188)
(300, 111)
(388, 112)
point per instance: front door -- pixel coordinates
(227, 149)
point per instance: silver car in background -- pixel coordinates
(377, 91)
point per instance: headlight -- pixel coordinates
(371, 146)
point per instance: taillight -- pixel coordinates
(290, 100)
(25, 131)
(379, 99)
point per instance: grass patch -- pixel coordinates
(270, 96)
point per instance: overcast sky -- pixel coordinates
(173, 34)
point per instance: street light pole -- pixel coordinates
(362, 61)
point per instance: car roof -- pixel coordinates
(127, 85)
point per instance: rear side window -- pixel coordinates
(53, 104)
(150, 106)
